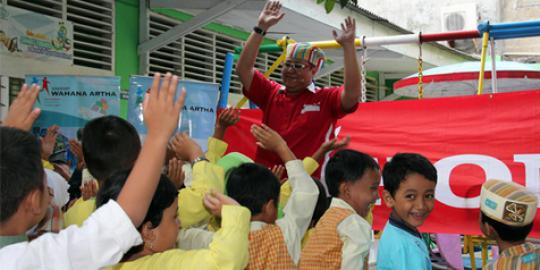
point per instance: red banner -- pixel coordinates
(469, 139)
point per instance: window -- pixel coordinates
(199, 55)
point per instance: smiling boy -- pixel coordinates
(409, 189)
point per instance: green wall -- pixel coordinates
(126, 41)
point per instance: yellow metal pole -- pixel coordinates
(485, 40)
(332, 44)
(484, 253)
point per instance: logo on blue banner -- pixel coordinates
(71, 101)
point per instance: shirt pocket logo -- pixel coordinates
(311, 108)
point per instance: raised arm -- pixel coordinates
(270, 15)
(161, 114)
(351, 93)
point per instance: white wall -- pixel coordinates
(425, 15)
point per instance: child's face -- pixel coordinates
(414, 199)
(165, 234)
(362, 193)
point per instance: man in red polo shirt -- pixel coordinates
(304, 115)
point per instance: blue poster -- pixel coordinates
(198, 114)
(71, 101)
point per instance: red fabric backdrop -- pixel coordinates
(468, 139)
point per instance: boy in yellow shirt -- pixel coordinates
(159, 230)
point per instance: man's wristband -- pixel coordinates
(259, 31)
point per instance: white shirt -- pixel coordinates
(356, 234)
(101, 241)
(293, 225)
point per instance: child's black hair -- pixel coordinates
(163, 198)
(347, 166)
(21, 170)
(403, 164)
(323, 203)
(109, 144)
(252, 185)
(506, 232)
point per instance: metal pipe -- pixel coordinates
(226, 81)
(485, 40)
(493, 67)
(450, 36)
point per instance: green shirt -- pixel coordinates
(12, 239)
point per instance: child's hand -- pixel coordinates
(278, 171)
(267, 138)
(330, 145)
(76, 149)
(214, 201)
(89, 190)
(21, 115)
(175, 172)
(185, 148)
(161, 112)
(270, 140)
(228, 117)
(48, 142)
(334, 144)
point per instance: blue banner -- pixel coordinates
(198, 114)
(71, 101)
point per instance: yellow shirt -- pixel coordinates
(206, 176)
(47, 165)
(79, 212)
(228, 249)
(216, 149)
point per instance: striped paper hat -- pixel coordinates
(305, 51)
(508, 203)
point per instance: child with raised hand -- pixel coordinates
(159, 231)
(205, 176)
(216, 144)
(342, 237)
(111, 230)
(409, 189)
(274, 243)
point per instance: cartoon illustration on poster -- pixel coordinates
(31, 35)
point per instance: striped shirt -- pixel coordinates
(521, 257)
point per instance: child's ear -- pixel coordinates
(488, 230)
(388, 199)
(344, 189)
(270, 211)
(147, 232)
(33, 201)
(269, 206)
